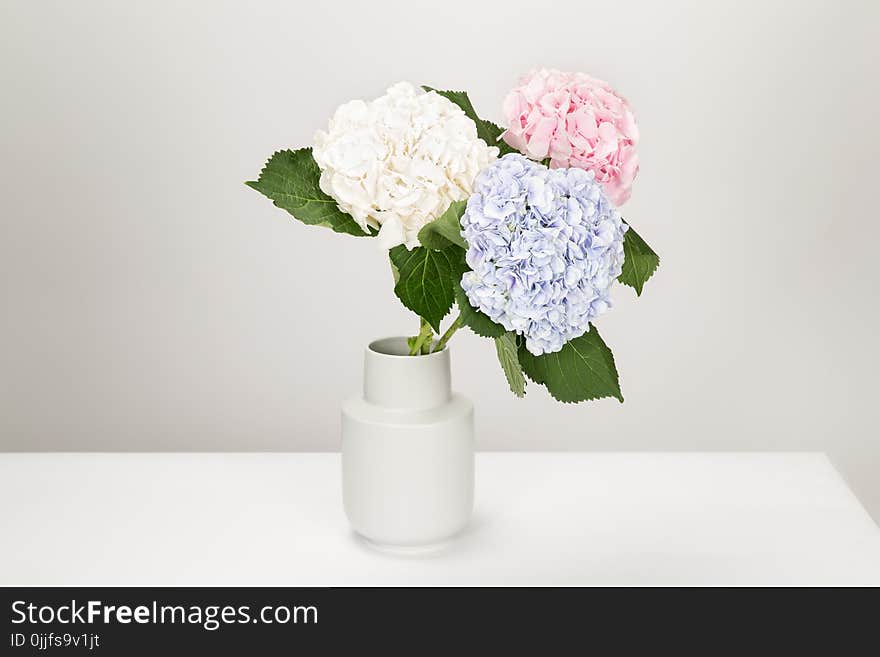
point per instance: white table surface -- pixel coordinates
(540, 518)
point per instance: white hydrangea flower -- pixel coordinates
(396, 163)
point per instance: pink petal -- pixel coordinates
(539, 142)
(514, 140)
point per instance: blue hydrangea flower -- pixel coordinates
(544, 247)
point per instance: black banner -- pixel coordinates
(170, 621)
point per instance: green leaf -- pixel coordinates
(427, 280)
(445, 229)
(474, 319)
(486, 130)
(505, 347)
(290, 179)
(584, 369)
(641, 262)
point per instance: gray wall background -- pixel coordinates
(150, 301)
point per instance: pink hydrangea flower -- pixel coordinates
(576, 121)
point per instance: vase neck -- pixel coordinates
(394, 379)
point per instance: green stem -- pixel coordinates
(418, 345)
(449, 333)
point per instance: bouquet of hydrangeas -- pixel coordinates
(518, 226)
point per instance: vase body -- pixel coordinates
(407, 449)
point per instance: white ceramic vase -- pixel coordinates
(407, 450)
